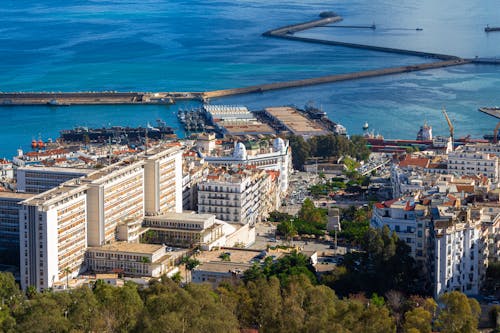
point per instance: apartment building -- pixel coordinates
(265, 155)
(58, 225)
(114, 194)
(473, 160)
(53, 235)
(460, 254)
(163, 181)
(407, 218)
(234, 196)
(38, 179)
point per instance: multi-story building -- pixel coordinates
(472, 160)
(194, 171)
(406, 217)
(9, 226)
(58, 225)
(276, 156)
(114, 194)
(53, 235)
(38, 179)
(460, 255)
(163, 181)
(185, 230)
(128, 258)
(233, 197)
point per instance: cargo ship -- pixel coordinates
(117, 134)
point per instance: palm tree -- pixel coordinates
(68, 272)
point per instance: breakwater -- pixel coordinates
(333, 78)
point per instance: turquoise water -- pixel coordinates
(155, 45)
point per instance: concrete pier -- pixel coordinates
(333, 78)
(83, 98)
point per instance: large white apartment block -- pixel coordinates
(233, 198)
(472, 160)
(406, 217)
(277, 156)
(58, 225)
(460, 254)
(53, 235)
(163, 181)
(38, 179)
(114, 194)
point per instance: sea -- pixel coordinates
(201, 45)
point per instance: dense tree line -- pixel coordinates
(281, 296)
(310, 220)
(327, 146)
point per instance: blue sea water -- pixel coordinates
(160, 45)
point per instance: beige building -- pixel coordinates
(57, 226)
(129, 258)
(53, 235)
(185, 230)
(114, 193)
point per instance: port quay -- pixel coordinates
(286, 32)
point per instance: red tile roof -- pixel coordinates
(421, 162)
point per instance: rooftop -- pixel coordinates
(15, 195)
(220, 266)
(128, 247)
(295, 121)
(182, 217)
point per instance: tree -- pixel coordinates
(300, 151)
(494, 315)
(459, 313)
(418, 320)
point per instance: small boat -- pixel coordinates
(419, 29)
(365, 126)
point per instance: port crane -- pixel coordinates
(450, 125)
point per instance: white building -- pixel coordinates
(38, 179)
(133, 259)
(233, 197)
(58, 225)
(406, 218)
(472, 160)
(53, 235)
(460, 255)
(185, 230)
(277, 156)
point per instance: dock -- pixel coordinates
(83, 98)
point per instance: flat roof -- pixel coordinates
(222, 266)
(128, 247)
(57, 169)
(181, 217)
(295, 121)
(16, 195)
(248, 128)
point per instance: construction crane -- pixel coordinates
(495, 133)
(450, 125)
